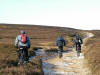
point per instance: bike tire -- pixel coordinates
(78, 53)
(21, 60)
(60, 54)
(78, 50)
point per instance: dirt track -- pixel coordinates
(69, 64)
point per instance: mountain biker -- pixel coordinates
(23, 41)
(60, 42)
(78, 41)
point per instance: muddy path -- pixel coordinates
(69, 64)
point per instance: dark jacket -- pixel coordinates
(78, 40)
(62, 40)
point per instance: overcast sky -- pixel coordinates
(81, 14)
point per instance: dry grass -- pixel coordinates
(8, 62)
(92, 54)
(31, 68)
(41, 37)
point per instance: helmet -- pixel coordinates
(23, 32)
(76, 34)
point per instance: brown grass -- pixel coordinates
(41, 37)
(8, 62)
(92, 54)
(31, 68)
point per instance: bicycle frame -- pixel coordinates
(21, 57)
(60, 54)
(78, 49)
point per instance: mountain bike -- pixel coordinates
(60, 54)
(21, 56)
(78, 49)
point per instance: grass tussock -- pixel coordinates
(8, 62)
(36, 48)
(54, 50)
(31, 68)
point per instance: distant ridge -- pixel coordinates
(38, 25)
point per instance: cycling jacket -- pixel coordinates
(18, 42)
(62, 40)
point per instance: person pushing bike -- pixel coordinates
(22, 42)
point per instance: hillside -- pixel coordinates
(92, 52)
(41, 36)
(44, 37)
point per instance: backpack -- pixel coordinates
(79, 40)
(60, 43)
(23, 38)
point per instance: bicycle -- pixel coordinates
(21, 56)
(60, 54)
(78, 49)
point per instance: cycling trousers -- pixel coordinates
(26, 53)
(60, 48)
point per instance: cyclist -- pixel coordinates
(78, 41)
(23, 41)
(60, 42)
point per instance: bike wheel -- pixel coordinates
(78, 53)
(78, 50)
(21, 59)
(60, 54)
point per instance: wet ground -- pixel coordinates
(69, 64)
